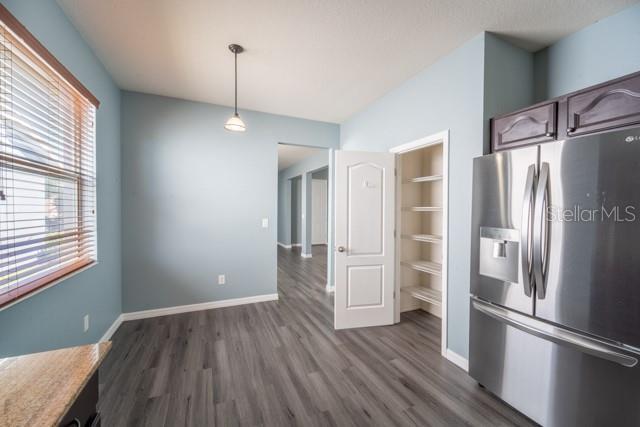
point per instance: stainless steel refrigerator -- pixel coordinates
(555, 279)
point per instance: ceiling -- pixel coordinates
(316, 59)
(291, 154)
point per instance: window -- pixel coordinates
(47, 168)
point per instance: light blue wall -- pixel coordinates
(54, 317)
(447, 95)
(508, 80)
(193, 198)
(605, 50)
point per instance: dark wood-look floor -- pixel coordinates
(281, 363)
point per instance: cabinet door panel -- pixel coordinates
(84, 407)
(531, 126)
(605, 107)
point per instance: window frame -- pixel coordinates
(76, 177)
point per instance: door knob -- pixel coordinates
(340, 248)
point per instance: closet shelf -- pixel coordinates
(422, 209)
(429, 238)
(429, 267)
(428, 178)
(422, 293)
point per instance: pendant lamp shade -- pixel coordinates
(235, 124)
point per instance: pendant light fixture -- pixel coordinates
(235, 123)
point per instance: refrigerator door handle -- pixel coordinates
(540, 230)
(564, 337)
(525, 230)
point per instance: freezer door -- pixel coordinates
(555, 376)
(587, 235)
(503, 186)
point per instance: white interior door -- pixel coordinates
(319, 209)
(364, 243)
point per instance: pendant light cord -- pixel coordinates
(235, 56)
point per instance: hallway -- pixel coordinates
(281, 363)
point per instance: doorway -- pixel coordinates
(421, 220)
(304, 228)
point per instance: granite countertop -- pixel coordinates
(38, 389)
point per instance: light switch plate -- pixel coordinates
(86, 322)
(221, 279)
(265, 222)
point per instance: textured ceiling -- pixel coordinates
(291, 154)
(317, 59)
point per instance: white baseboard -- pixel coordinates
(303, 255)
(293, 245)
(144, 314)
(457, 360)
(112, 329)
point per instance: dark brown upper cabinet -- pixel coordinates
(611, 105)
(529, 126)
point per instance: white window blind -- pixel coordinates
(47, 171)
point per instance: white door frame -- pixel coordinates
(437, 138)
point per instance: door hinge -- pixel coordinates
(394, 294)
(395, 172)
(394, 233)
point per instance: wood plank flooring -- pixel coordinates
(281, 363)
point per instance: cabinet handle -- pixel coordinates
(569, 130)
(75, 423)
(340, 248)
(549, 134)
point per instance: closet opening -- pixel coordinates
(421, 228)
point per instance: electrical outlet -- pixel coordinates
(265, 222)
(221, 279)
(86, 322)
